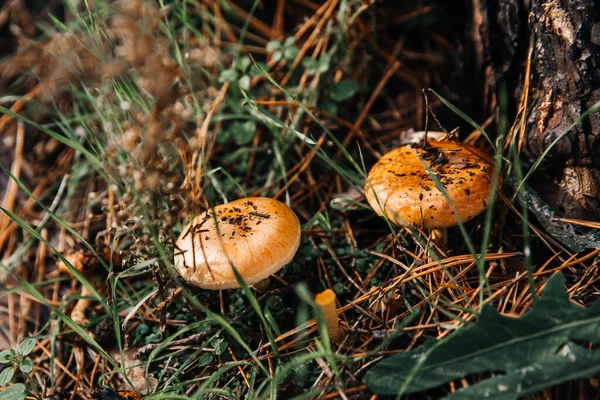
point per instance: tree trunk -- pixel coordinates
(565, 83)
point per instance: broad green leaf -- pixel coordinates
(343, 90)
(329, 106)
(313, 66)
(26, 346)
(26, 366)
(5, 356)
(255, 71)
(571, 362)
(228, 75)
(243, 63)
(310, 63)
(244, 82)
(289, 41)
(205, 359)
(290, 53)
(273, 45)
(6, 375)
(224, 136)
(510, 347)
(243, 132)
(324, 63)
(220, 346)
(276, 57)
(13, 392)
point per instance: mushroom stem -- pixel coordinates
(78, 313)
(262, 286)
(326, 302)
(439, 237)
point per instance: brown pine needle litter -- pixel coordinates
(124, 120)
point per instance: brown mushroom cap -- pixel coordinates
(81, 259)
(257, 235)
(399, 184)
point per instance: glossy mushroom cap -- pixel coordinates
(399, 185)
(257, 235)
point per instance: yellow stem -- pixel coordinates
(326, 302)
(440, 238)
(78, 313)
(262, 286)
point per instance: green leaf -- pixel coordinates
(228, 75)
(205, 359)
(274, 45)
(571, 362)
(26, 346)
(329, 106)
(313, 66)
(310, 64)
(243, 63)
(224, 136)
(243, 132)
(13, 392)
(244, 82)
(5, 356)
(255, 68)
(289, 41)
(343, 90)
(26, 366)
(277, 56)
(539, 344)
(220, 346)
(6, 375)
(324, 63)
(290, 53)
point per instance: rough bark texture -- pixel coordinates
(566, 82)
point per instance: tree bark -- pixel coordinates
(565, 83)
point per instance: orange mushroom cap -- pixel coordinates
(257, 235)
(400, 187)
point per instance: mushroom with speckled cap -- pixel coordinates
(256, 235)
(400, 187)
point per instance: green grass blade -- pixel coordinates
(464, 116)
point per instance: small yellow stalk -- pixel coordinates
(78, 313)
(439, 237)
(326, 302)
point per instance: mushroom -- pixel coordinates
(400, 187)
(326, 302)
(256, 235)
(85, 263)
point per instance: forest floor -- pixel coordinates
(120, 121)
